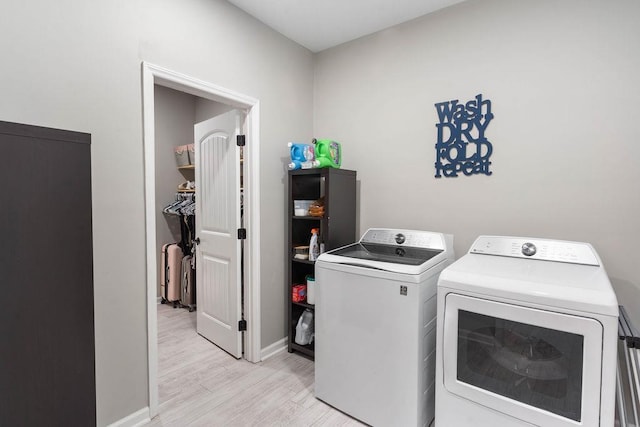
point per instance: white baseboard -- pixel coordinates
(273, 349)
(136, 419)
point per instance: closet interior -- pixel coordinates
(175, 115)
(183, 211)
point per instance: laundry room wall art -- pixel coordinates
(462, 146)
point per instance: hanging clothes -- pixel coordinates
(184, 207)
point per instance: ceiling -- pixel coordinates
(321, 24)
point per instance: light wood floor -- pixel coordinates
(201, 385)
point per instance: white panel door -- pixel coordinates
(218, 212)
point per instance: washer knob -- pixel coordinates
(400, 238)
(529, 249)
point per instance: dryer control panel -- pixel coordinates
(540, 249)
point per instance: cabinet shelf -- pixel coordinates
(302, 261)
(309, 350)
(303, 304)
(337, 227)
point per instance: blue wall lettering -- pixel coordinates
(462, 146)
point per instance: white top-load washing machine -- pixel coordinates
(527, 332)
(375, 325)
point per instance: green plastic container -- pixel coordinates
(328, 153)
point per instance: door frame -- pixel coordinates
(155, 75)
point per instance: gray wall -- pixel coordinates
(564, 82)
(206, 109)
(76, 65)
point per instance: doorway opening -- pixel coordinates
(152, 77)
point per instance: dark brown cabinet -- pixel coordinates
(337, 227)
(47, 360)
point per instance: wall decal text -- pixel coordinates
(462, 145)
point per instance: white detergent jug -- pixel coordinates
(314, 247)
(304, 329)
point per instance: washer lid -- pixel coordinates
(385, 253)
(394, 250)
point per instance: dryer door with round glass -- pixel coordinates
(539, 366)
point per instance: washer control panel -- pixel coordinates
(540, 249)
(413, 238)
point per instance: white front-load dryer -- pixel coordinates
(527, 332)
(375, 326)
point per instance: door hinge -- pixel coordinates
(240, 140)
(242, 233)
(242, 325)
